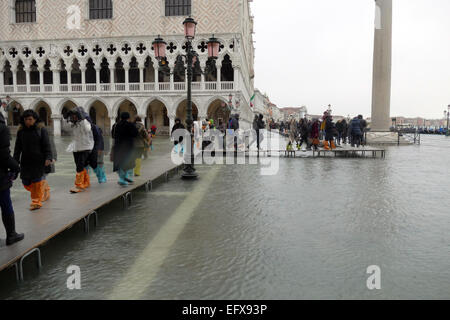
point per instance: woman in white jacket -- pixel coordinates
(81, 146)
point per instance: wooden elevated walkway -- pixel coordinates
(345, 151)
(63, 210)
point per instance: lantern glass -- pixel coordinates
(213, 48)
(159, 46)
(190, 27)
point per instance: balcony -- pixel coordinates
(118, 87)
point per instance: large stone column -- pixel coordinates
(382, 60)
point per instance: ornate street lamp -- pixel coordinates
(190, 27)
(159, 46)
(213, 47)
(191, 57)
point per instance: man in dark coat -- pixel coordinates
(355, 132)
(33, 152)
(123, 134)
(9, 169)
(330, 130)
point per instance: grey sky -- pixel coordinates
(326, 49)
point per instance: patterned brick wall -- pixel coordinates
(131, 18)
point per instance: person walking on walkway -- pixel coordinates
(179, 143)
(124, 159)
(81, 146)
(9, 170)
(355, 132)
(99, 146)
(344, 131)
(141, 142)
(330, 133)
(363, 124)
(315, 130)
(34, 154)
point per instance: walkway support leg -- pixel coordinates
(38, 252)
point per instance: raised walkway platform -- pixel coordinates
(343, 151)
(64, 210)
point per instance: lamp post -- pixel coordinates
(159, 46)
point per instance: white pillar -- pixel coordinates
(202, 83)
(127, 77)
(2, 81)
(382, 62)
(56, 80)
(97, 78)
(219, 73)
(56, 124)
(156, 78)
(172, 80)
(69, 79)
(171, 123)
(14, 72)
(236, 77)
(41, 78)
(27, 77)
(141, 77)
(83, 77)
(112, 72)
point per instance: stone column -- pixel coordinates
(112, 121)
(69, 79)
(97, 77)
(83, 76)
(219, 73)
(171, 123)
(236, 77)
(56, 124)
(41, 78)
(127, 77)
(141, 77)
(381, 91)
(14, 73)
(27, 77)
(172, 80)
(112, 72)
(56, 79)
(156, 78)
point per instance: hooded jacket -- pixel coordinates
(83, 138)
(31, 151)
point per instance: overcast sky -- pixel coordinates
(326, 50)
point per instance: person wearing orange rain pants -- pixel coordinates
(81, 146)
(33, 152)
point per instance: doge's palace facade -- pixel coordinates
(58, 54)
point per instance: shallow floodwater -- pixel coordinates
(309, 232)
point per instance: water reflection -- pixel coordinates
(310, 232)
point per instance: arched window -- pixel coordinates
(178, 8)
(25, 11)
(100, 9)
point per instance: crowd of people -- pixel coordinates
(310, 134)
(35, 155)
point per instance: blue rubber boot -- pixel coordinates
(128, 176)
(104, 180)
(122, 176)
(100, 173)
